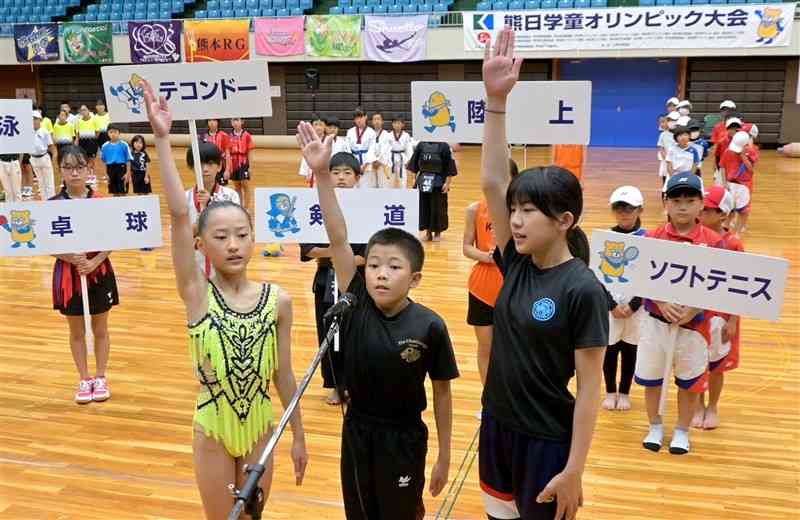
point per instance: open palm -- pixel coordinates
(157, 111)
(500, 68)
(317, 153)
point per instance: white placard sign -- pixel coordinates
(193, 90)
(703, 277)
(78, 226)
(538, 112)
(16, 126)
(293, 214)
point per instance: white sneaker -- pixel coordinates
(655, 438)
(84, 394)
(100, 391)
(680, 442)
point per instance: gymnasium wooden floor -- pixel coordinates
(130, 458)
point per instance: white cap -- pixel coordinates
(685, 103)
(673, 116)
(628, 194)
(733, 120)
(684, 121)
(754, 131)
(37, 114)
(727, 104)
(673, 101)
(739, 141)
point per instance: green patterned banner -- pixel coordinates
(333, 36)
(88, 43)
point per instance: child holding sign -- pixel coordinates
(724, 329)
(102, 286)
(239, 334)
(550, 321)
(346, 172)
(677, 328)
(391, 344)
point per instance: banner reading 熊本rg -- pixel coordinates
(280, 36)
(217, 40)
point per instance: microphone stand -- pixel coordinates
(250, 498)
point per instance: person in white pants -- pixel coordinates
(43, 148)
(11, 177)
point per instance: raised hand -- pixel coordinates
(157, 111)
(500, 68)
(317, 153)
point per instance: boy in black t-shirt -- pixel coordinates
(392, 343)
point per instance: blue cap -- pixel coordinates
(686, 180)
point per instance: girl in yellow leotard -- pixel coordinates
(239, 334)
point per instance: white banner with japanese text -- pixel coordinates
(16, 126)
(78, 226)
(454, 112)
(294, 215)
(193, 90)
(656, 27)
(703, 277)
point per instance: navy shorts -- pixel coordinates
(514, 469)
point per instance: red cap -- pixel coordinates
(718, 198)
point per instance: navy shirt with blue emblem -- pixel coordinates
(541, 317)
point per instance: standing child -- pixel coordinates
(737, 166)
(485, 279)
(318, 122)
(682, 157)
(687, 328)
(41, 162)
(720, 132)
(101, 121)
(87, 139)
(399, 151)
(550, 322)
(346, 172)
(626, 203)
(434, 169)
(233, 322)
(219, 138)
(391, 344)
(360, 138)
(666, 140)
(116, 154)
(140, 160)
(63, 133)
(102, 287)
(725, 329)
(241, 147)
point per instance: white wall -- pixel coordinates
(447, 43)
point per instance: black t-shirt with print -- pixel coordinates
(140, 160)
(386, 359)
(541, 317)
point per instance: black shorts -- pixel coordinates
(479, 313)
(89, 145)
(103, 295)
(242, 173)
(390, 461)
(102, 138)
(26, 159)
(139, 186)
(515, 468)
(116, 183)
(221, 175)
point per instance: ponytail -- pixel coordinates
(578, 244)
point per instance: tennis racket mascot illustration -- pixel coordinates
(615, 257)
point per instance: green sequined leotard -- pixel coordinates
(234, 355)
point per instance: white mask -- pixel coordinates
(694, 135)
(684, 111)
(671, 125)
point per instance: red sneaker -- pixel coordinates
(100, 391)
(84, 394)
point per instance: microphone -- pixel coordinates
(345, 304)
